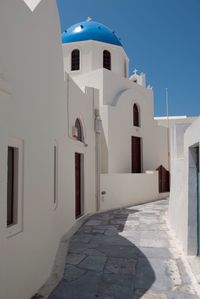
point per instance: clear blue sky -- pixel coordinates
(161, 38)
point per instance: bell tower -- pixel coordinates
(89, 45)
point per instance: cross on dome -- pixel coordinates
(89, 19)
(135, 71)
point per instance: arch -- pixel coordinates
(107, 60)
(136, 115)
(75, 60)
(78, 126)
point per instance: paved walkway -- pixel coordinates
(125, 254)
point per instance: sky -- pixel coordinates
(161, 39)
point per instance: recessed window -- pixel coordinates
(15, 175)
(79, 185)
(136, 116)
(125, 68)
(55, 165)
(106, 60)
(79, 130)
(75, 60)
(12, 185)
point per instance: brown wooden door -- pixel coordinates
(163, 179)
(77, 185)
(136, 154)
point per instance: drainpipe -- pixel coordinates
(98, 129)
(68, 86)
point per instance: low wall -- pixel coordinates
(123, 189)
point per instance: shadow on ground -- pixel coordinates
(104, 261)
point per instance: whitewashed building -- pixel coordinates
(77, 136)
(184, 195)
(131, 140)
(40, 108)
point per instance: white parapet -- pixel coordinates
(123, 189)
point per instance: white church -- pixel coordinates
(79, 136)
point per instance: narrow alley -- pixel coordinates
(126, 253)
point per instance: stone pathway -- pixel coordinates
(125, 254)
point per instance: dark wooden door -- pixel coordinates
(136, 154)
(77, 185)
(163, 179)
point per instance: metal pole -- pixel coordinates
(167, 111)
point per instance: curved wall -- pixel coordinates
(34, 102)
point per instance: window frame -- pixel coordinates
(55, 175)
(107, 60)
(12, 184)
(17, 225)
(80, 135)
(75, 60)
(136, 118)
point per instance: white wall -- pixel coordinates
(184, 134)
(91, 57)
(121, 129)
(191, 140)
(35, 105)
(31, 63)
(128, 189)
(117, 96)
(81, 105)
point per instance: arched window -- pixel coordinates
(136, 116)
(75, 60)
(106, 60)
(79, 130)
(125, 69)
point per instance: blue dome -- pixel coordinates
(90, 30)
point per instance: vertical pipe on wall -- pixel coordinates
(167, 111)
(68, 129)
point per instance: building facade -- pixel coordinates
(47, 145)
(77, 136)
(126, 104)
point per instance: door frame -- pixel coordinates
(193, 237)
(141, 155)
(81, 191)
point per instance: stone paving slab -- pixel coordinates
(74, 258)
(118, 265)
(149, 295)
(119, 251)
(95, 263)
(154, 243)
(125, 253)
(154, 252)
